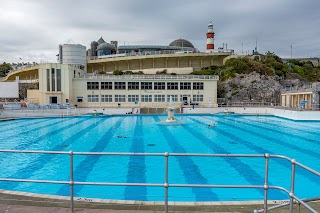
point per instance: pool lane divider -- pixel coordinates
(190, 170)
(243, 169)
(261, 150)
(82, 171)
(39, 162)
(292, 126)
(28, 131)
(277, 131)
(21, 122)
(137, 166)
(24, 146)
(271, 139)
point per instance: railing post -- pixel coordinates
(266, 183)
(293, 162)
(71, 181)
(166, 178)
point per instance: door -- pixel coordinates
(53, 100)
(185, 100)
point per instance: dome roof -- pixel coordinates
(100, 41)
(181, 43)
(94, 43)
(106, 46)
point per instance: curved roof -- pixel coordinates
(100, 41)
(106, 46)
(150, 47)
(181, 43)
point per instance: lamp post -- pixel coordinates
(291, 50)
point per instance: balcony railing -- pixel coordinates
(151, 77)
(162, 52)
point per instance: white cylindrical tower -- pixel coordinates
(74, 54)
(210, 38)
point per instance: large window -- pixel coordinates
(146, 98)
(159, 86)
(93, 85)
(197, 98)
(120, 85)
(159, 98)
(119, 98)
(172, 85)
(58, 79)
(133, 85)
(146, 85)
(174, 98)
(106, 85)
(93, 98)
(48, 80)
(133, 98)
(198, 85)
(53, 79)
(106, 98)
(185, 85)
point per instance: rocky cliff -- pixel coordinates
(252, 87)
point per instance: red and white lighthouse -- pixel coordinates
(210, 38)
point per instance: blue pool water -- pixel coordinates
(233, 134)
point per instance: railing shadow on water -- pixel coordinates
(293, 199)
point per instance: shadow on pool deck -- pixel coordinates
(24, 204)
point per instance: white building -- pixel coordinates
(66, 84)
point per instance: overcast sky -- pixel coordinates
(33, 29)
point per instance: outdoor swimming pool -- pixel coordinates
(233, 134)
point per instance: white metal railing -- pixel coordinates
(166, 185)
(304, 88)
(162, 52)
(151, 77)
(248, 104)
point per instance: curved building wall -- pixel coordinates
(74, 54)
(158, 62)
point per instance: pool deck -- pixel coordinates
(14, 202)
(283, 113)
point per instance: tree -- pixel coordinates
(4, 69)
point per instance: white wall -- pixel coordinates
(9, 89)
(289, 114)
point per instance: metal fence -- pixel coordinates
(166, 185)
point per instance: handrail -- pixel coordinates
(293, 198)
(146, 76)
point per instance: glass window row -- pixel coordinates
(143, 98)
(145, 85)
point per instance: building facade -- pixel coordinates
(301, 97)
(64, 84)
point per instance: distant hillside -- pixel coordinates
(258, 79)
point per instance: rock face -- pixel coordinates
(23, 87)
(251, 87)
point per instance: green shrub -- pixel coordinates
(118, 72)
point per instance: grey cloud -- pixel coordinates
(34, 29)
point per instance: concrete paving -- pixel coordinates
(35, 209)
